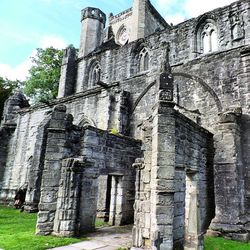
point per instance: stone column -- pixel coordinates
(142, 213)
(193, 239)
(68, 73)
(56, 150)
(116, 202)
(139, 222)
(163, 174)
(102, 207)
(88, 199)
(117, 111)
(66, 219)
(123, 112)
(229, 194)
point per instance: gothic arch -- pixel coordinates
(122, 35)
(140, 57)
(94, 73)
(85, 121)
(143, 60)
(140, 44)
(204, 85)
(206, 35)
(186, 75)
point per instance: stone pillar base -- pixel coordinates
(31, 208)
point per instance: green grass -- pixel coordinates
(100, 223)
(17, 232)
(220, 243)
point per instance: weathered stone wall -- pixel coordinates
(24, 161)
(205, 86)
(116, 64)
(61, 143)
(21, 150)
(245, 140)
(178, 155)
(66, 209)
(5, 135)
(113, 156)
(228, 79)
(120, 21)
(194, 168)
(230, 186)
(153, 21)
(37, 165)
(221, 71)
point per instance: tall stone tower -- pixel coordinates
(93, 23)
(138, 19)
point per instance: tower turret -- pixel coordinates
(93, 23)
(68, 73)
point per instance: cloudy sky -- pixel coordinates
(29, 24)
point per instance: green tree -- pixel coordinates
(42, 83)
(6, 89)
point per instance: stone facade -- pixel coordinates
(148, 114)
(178, 160)
(69, 200)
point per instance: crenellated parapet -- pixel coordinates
(93, 13)
(93, 23)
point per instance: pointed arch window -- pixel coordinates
(207, 38)
(214, 42)
(122, 36)
(143, 60)
(205, 43)
(94, 74)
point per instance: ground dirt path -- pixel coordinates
(106, 238)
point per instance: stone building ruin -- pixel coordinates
(151, 126)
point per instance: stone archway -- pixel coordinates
(85, 121)
(189, 76)
(204, 85)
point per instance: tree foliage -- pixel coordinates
(6, 89)
(42, 83)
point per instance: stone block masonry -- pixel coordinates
(181, 155)
(56, 150)
(76, 162)
(230, 201)
(112, 156)
(5, 135)
(71, 164)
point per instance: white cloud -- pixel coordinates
(21, 71)
(56, 42)
(197, 7)
(175, 19)
(177, 11)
